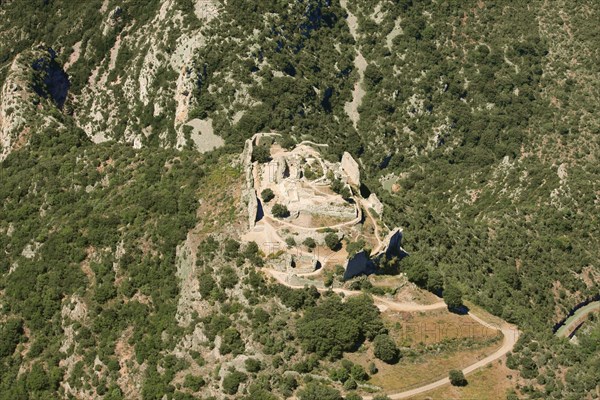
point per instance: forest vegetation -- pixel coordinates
(482, 117)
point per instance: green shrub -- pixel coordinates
(310, 243)
(453, 297)
(194, 383)
(385, 349)
(231, 342)
(261, 154)
(333, 326)
(232, 382)
(457, 378)
(332, 241)
(267, 195)
(317, 391)
(373, 369)
(253, 365)
(280, 211)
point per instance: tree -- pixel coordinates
(333, 326)
(353, 396)
(332, 240)
(372, 75)
(453, 297)
(267, 195)
(37, 379)
(457, 378)
(385, 349)
(229, 277)
(287, 142)
(435, 281)
(416, 271)
(350, 384)
(287, 385)
(206, 284)
(373, 369)
(232, 342)
(358, 373)
(280, 211)
(318, 391)
(194, 383)
(340, 188)
(232, 248)
(10, 335)
(253, 365)
(232, 381)
(310, 243)
(328, 279)
(261, 154)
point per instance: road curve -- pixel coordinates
(510, 332)
(577, 318)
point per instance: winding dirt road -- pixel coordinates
(510, 332)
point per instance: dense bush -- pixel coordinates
(453, 297)
(316, 391)
(457, 378)
(261, 154)
(332, 241)
(310, 243)
(232, 382)
(280, 211)
(232, 342)
(385, 349)
(267, 195)
(332, 326)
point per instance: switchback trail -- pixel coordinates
(509, 332)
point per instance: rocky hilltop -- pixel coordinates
(130, 267)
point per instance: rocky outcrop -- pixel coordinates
(394, 244)
(362, 264)
(163, 45)
(283, 171)
(246, 158)
(18, 103)
(249, 193)
(12, 97)
(350, 167)
(53, 82)
(375, 204)
(252, 208)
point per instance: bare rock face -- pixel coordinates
(246, 158)
(249, 193)
(283, 170)
(252, 208)
(375, 204)
(12, 110)
(350, 167)
(19, 99)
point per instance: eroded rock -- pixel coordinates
(375, 204)
(351, 168)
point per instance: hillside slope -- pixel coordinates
(476, 124)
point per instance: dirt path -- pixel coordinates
(510, 332)
(380, 244)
